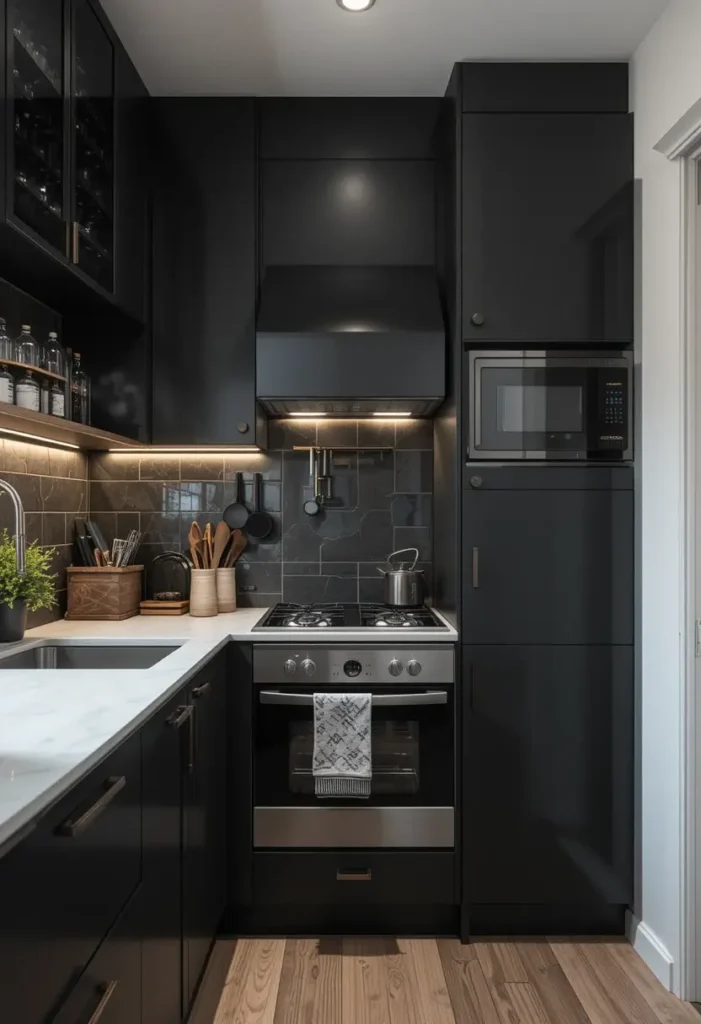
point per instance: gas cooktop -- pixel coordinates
(349, 616)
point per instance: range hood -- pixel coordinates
(350, 341)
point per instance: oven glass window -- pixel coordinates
(539, 409)
(395, 757)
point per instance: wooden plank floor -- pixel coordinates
(440, 981)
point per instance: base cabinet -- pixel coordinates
(548, 775)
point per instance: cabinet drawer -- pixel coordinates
(109, 990)
(354, 877)
(66, 884)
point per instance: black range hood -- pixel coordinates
(350, 341)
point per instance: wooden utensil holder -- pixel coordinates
(103, 593)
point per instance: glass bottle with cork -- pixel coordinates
(80, 392)
(7, 353)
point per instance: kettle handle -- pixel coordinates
(403, 551)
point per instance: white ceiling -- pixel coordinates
(398, 48)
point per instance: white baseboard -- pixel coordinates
(654, 952)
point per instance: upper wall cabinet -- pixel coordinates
(63, 208)
(547, 228)
(204, 265)
(547, 204)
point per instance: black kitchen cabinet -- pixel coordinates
(109, 990)
(548, 776)
(93, 145)
(205, 829)
(165, 741)
(547, 556)
(65, 885)
(185, 825)
(204, 252)
(547, 228)
(37, 149)
(73, 162)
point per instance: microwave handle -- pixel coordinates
(385, 700)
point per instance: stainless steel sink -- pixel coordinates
(55, 654)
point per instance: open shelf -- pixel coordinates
(52, 428)
(38, 370)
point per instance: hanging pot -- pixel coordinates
(403, 584)
(13, 622)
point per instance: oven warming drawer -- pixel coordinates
(348, 827)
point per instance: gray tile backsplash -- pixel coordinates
(381, 501)
(53, 486)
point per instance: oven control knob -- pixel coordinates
(395, 667)
(290, 667)
(308, 667)
(414, 667)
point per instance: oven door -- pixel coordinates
(413, 769)
(544, 405)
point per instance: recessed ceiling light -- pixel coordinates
(356, 6)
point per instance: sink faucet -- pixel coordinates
(20, 532)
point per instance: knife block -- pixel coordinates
(103, 593)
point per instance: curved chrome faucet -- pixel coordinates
(20, 531)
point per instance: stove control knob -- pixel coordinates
(290, 667)
(395, 667)
(414, 667)
(308, 667)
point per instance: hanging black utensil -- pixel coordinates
(236, 515)
(259, 523)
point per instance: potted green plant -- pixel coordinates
(19, 594)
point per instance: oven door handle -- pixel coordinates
(385, 700)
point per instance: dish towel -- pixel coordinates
(342, 745)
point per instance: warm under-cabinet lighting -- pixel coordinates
(393, 415)
(194, 450)
(38, 439)
(309, 415)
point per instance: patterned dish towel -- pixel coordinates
(342, 744)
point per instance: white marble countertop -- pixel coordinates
(57, 724)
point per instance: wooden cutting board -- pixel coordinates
(165, 607)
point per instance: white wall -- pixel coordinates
(665, 83)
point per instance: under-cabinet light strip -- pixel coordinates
(392, 415)
(38, 439)
(186, 450)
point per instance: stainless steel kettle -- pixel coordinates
(402, 580)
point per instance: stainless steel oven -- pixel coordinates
(413, 742)
(550, 405)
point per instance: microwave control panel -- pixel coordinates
(613, 414)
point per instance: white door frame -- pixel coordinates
(683, 146)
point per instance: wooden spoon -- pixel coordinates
(207, 539)
(221, 539)
(196, 543)
(238, 546)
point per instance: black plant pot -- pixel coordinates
(13, 622)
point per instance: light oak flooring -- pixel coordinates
(429, 981)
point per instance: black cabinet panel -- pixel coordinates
(547, 566)
(164, 744)
(66, 884)
(205, 834)
(347, 128)
(353, 876)
(540, 88)
(547, 228)
(340, 213)
(110, 987)
(204, 252)
(131, 147)
(548, 775)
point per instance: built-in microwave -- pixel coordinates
(550, 405)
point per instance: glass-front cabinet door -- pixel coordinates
(92, 200)
(37, 193)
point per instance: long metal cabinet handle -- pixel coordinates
(475, 567)
(74, 826)
(102, 1005)
(76, 243)
(200, 691)
(385, 700)
(178, 719)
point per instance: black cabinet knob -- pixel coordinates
(242, 427)
(476, 481)
(477, 319)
